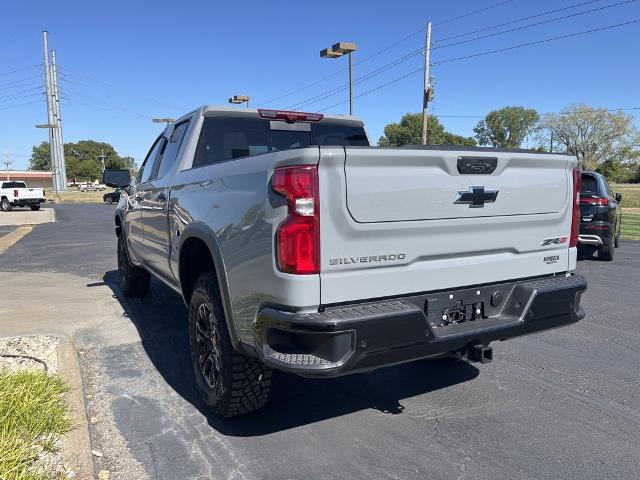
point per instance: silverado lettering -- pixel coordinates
(368, 259)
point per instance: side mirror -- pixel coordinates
(618, 197)
(117, 178)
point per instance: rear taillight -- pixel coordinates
(595, 201)
(15, 193)
(298, 236)
(290, 117)
(575, 219)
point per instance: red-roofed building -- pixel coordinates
(33, 178)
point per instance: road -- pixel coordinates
(563, 404)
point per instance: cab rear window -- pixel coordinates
(14, 185)
(223, 139)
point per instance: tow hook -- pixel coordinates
(480, 353)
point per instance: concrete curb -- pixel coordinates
(27, 217)
(76, 450)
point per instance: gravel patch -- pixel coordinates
(38, 352)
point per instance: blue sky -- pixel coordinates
(123, 63)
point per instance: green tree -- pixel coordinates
(506, 127)
(594, 135)
(409, 132)
(40, 157)
(83, 159)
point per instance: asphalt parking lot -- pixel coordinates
(563, 404)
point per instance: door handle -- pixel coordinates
(206, 183)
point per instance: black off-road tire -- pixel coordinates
(35, 208)
(6, 205)
(134, 281)
(229, 382)
(605, 252)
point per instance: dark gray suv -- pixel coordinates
(600, 216)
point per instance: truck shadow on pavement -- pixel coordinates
(161, 319)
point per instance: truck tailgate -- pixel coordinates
(406, 220)
(389, 185)
(29, 193)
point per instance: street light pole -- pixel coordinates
(338, 50)
(350, 85)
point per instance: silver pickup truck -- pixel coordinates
(297, 246)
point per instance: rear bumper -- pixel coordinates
(595, 233)
(365, 336)
(593, 240)
(28, 201)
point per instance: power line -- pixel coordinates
(530, 17)
(19, 83)
(523, 27)
(513, 47)
(39, 87)
(19, 105)
(99, 103)
(473, 55)
(542, 114)
(2, 74)
(473, 12)
(88, 79)
(363, 78)
(407, 56)
(383, 50)
(22, 96)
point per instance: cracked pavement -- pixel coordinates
(563, 404)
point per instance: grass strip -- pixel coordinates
(33, 416)
(630, 226)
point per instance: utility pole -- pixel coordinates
(102, 158)
(51, 125)
(551, 146)
(7, 162)
(427, 86)
(62, 173)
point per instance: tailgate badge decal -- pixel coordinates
(476, 196)
(554, 241)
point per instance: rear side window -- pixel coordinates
(589, 185)
(171, 149)
(336, 134)
(147, 167)
(225, 139)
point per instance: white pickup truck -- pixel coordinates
(17, 194)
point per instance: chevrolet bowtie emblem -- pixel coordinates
(476, 196)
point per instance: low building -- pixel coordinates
(33, 178)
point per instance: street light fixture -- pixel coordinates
(163, 120)
(338, 50)
(240, 99)
(46, 125)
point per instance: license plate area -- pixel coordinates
(449, 311)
